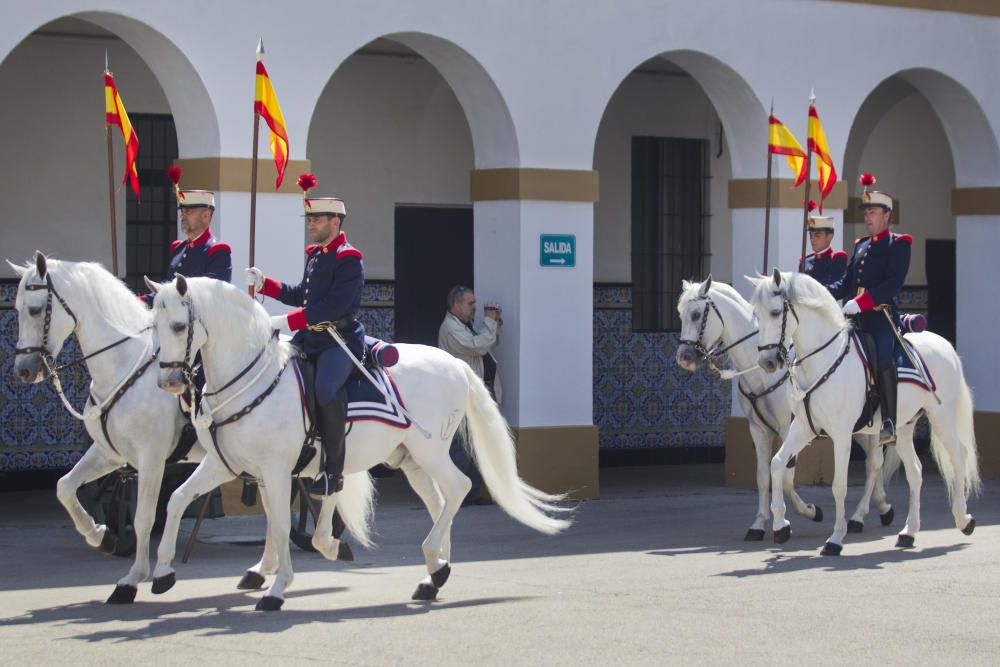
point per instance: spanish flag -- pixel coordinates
(114, 114)
(781, 142)
(824, 163)
(265, 103)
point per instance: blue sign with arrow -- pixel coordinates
(557, 250)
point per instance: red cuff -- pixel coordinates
(865, 302)
(297, 319)
(271, 288)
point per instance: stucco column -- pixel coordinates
(545, 355)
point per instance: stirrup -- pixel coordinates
(887, 436)
(325, 484)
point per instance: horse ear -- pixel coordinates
(153, 286)
(776, 275)
(182, 285)
(685, 284)
(18, 269)
(40, 263)
(705, 286)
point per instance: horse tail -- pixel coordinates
(494, 451)
(967, 440)
(356, 505)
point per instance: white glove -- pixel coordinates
(280, 323)
(255, 278)
(851, 308)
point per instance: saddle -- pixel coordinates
(906, 372)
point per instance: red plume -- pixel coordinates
(812, 205)
(307, 182)
(867, 180)
(174, 174)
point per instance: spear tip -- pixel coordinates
(107, 66)
(812, 95)
(260, 47)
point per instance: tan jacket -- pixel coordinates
(455, 338)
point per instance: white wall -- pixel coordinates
(54, 178)
(388, 130)
(660, 106)
(909, 154)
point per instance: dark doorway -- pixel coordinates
(941, 287)
(434, 248)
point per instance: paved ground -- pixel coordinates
(654, 573)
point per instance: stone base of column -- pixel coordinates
(559, 459)
(987, 425)
(814, 464)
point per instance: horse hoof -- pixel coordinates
(123, 594)
(754, 535)
(441, 576)
(969, 527)
(269, 603)
(251, 581)
(425, 592)
(783, 535)
(165, 583)
(344, 552)
(818, 516)
(887, 518)
(904, 541)
(855, 526)
(109, 543)
(831, 549)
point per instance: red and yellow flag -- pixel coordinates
(114, 114)
(781, 142)
(824, 163)
(265, 103)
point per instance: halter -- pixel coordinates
(185, 366)
(711, 353)
(43, 349)
(780, 346)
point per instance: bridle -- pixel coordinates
(780, 346)
(185, 366)
(710, 354)
(43, 349)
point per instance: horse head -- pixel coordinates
(179, 330)
(776, 318)
(701, 323)
(44, 320)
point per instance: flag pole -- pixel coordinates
(111, 185)
(767, 197)
(805, 204)
(253, 170)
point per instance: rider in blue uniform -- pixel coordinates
(200, 254)
(330, 293)
(874, 279)
(824, 264)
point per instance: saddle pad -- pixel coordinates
(904, 367)
(365, 402)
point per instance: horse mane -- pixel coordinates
(223, 307)
(804, 290)
(104, 293)
(722, 289)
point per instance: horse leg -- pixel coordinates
(761, 437)
(278, 480)
(323, 538)
(454, 486)
(150, 480)
(799, 506)
(253, 578)
(841, 459)
(428, 492)
(95, 463)
(794, 443)
(873, 476)
(209, 474)
(914, 479)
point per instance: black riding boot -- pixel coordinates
(332, 420)
(887, 378)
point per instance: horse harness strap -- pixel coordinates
(243, 372)
(826, 376)
(752, 397)
(106, 410)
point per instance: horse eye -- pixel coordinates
(35, 311)
(178, 327)
(775, 313)
(695, 316)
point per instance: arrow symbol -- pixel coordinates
(557, 261)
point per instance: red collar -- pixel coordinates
(824, 253)
(880, 236)
(207, 234)
(338, 240)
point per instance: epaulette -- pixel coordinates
(347, 250)
(903, 237)
(174, 245)
(219, 247)
(311, 247)
(839, 254)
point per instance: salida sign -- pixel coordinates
(557, 250)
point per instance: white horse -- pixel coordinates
(717, 321)
(795, 308)
(231, 330)
(142, 424)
